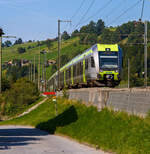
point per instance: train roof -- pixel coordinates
(94, 48)
(111, 47)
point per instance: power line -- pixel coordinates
(125, 11)
(99, 10)
(113, 10)
(88, 9)
(76, 12)
(78, 9)
(142, 10)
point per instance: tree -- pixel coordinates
(64, 59)
(1, 32)
(106, 36)
(17, 71)
(88, 39)
(5, 84)
(48, 43)
(100, 25)
(3, 45)
(90, 28)
(75, 33)
(21, 50)
(21, 94)
(7, 43)
(65, 36)
(19, 41)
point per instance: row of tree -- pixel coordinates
(8, 43)
(97, 32)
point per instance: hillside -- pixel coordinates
(11, 52)
(128, 35)
(69, 48)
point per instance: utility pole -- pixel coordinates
(1, 58)
(42, 75)
(45, 71)
(39, 73)
(145, 55)
(59, 46)
(0, 64)
(31, 71)
(34, 70)
(128, 73)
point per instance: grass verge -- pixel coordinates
(108, 130)
(22, 109)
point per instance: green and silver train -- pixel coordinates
(97, 66)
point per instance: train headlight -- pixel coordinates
(117, 71)
(101, 71)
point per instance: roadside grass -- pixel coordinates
(31, 105)
(108, 130)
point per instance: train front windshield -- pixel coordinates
(108, 60)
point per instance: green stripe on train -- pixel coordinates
(65, 78)
(72, 74)
(84, 79)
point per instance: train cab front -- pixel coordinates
(109, 70)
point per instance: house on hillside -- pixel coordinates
(51, 62)
(24, 62)
(10, 62)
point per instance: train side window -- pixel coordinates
(81, 67)
(66, 74)
(92, 62)
(60, 76)
(74, 70)
(78, 69)
(69, 72)
(86, 64)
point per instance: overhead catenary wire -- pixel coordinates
(98, 11)
(84, 15)
(114, 9)
(78, 9)
(76, 12)
(124, 12)
(142, 10)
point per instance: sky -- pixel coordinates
(37, 19)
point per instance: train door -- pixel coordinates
(72, 75)
(64, 78)
(83, 67)
(92, 68)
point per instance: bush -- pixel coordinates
(21, 94)
(5, 84)
(21, 50)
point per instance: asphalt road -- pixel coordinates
(27, 140)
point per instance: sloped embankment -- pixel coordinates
(108, 130)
